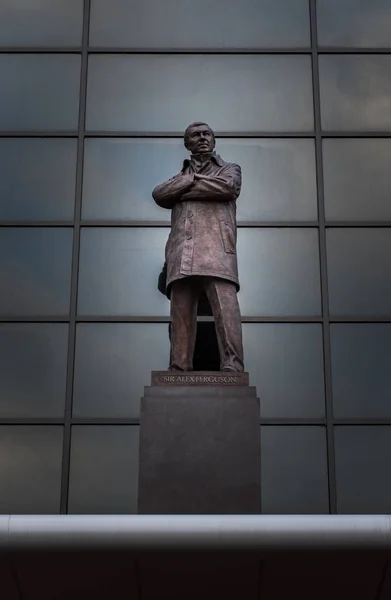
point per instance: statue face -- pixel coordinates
(200, 139)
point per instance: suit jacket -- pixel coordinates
(202, 200)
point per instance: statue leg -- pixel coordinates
(223, 300)
(184, 299)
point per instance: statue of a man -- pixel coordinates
(201, 249)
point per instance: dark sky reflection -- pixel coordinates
(355, 23)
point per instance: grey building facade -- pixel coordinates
(95, 96)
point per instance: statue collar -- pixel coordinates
(198, 158)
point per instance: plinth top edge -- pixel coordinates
(217, 378)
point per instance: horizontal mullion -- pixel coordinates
(120, 319)
(38, 134)
(277, 224)
(128, 223)
(356, 134)
(36, 223)
(150, 319)
(288, 319)
(136, 421)
(245, 224)
(32, 421)
(34, 319)
(123, 223)
(133, 50)
(350, 50)
(40, 49)
(360, 319)
(357, 224)
(167, 319)
(221, 51)
(179, 134)
(362, 421)
(290, 421)
(106, 421)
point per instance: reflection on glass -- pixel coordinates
(39, 92)
(37, 23)
(37, 178)
(285, 362)
(355, 92)
(294, 470)
(354, 23)
(357, 179)
(278, 177)
(35, 266)
(232, 92)
(30, 469)
(120, 174)
(360, 360)
(362, 456)
(359, 271)
(113, 364)
(119, 269)
(104, 469)
(279, 272)
(223, 24)
(33, 364)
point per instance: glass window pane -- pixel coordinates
(119, 269)
(279, 272)
(232, 92)
(39, 92)
(354, 23)
(37, 178)
(357, 179)
(35, 266)
(30, 469)
(355, 92)
(104, 469)
(224, 24)
(285, 362)
(278, 177)
(113, 364)
(294, 470)
(360, 360)
(362, 461)
(41, 23)
(359, 271)
(120, 174)
(33, 367)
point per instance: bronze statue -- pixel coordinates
(201, 249)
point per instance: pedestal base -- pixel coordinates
(199, 445)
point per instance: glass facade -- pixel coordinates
(95, 98)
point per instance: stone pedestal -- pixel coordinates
(199, 444)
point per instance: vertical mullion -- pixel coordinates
(323, 261)
(75, 261)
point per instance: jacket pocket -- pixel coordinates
(228, 236)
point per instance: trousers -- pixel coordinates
(223, 300)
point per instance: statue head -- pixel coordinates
(199, 138)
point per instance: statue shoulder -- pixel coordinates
(228, 165)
